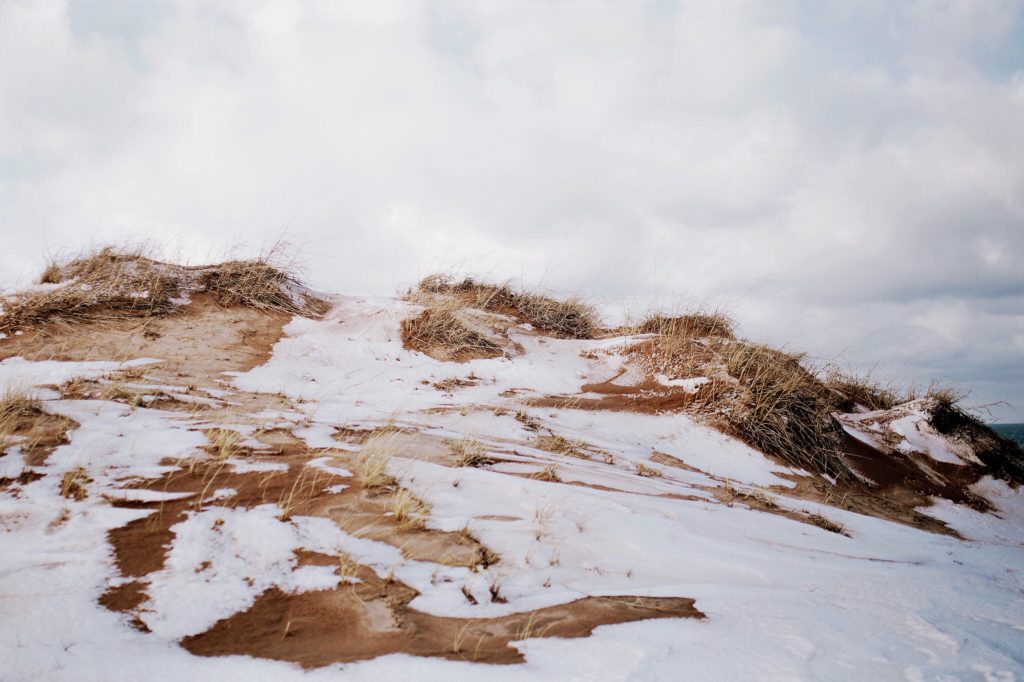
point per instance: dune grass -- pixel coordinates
(408, 510)
(568, 318)
(783, 409)
(1001, 456)
(117, 282)
(689, 325)
(469, 453)
(16, 403)
(443, 332)
(373, 458)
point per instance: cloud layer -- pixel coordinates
(846, 177)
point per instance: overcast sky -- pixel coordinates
(845, 178)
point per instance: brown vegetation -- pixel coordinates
(562, 446)
(469, 453)
(373, 460)
(826, 523)
(691, 325)
(257, 284)
(110, 283)
(647, 471)
(15, 404)
(853, 391)
(1002, 457)
(38, 433)
(107, 284)
(569, 319)
(74, 482)
(443, 332)
(782, 409)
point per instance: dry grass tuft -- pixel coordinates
(348, 569)
(16, 403)
(570, 319)
(942, 394)
(106, 284)
(647, 471)
(112, 283)
(442, 332)
(372, 465)
(469, 453)
(1002, 457)
(691, 325)
(76, 387)
(52, 274)
(763, 497)
(676, 357)
(782, 409)
(529, 423)
(257, 284)
(306, 487)
(762, 395)
(118, 392)
(409, 511)
(224, 443)
(73, 484)
(548, 473)
(483, 556)
(826, 523)
(852, 391)
(451, 383)
(562, 446)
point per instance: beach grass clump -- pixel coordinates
(443, 331)
(116, 282)
(565, 318)
(782, 409)
(690, 325)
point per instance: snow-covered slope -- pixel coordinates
(182, 514)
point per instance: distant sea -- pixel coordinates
(1011, 431)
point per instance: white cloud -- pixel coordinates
(847, 177)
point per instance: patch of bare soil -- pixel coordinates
(887, 466)
(648, 396)
(896, 501)
(372, 618)
(914, 478)
(126, 597)
(354, 621)
(195, 345)
(894, 490)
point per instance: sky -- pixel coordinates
(845, 178)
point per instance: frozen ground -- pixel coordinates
(783, 599)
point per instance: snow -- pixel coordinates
(690, 385)
(248, 466)
(324, 464)
(352, 365)
(919, 436)
(144, 495)
(909, 427)
(783, 599)
(221, 559)
(18, 372)
(116, 442)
